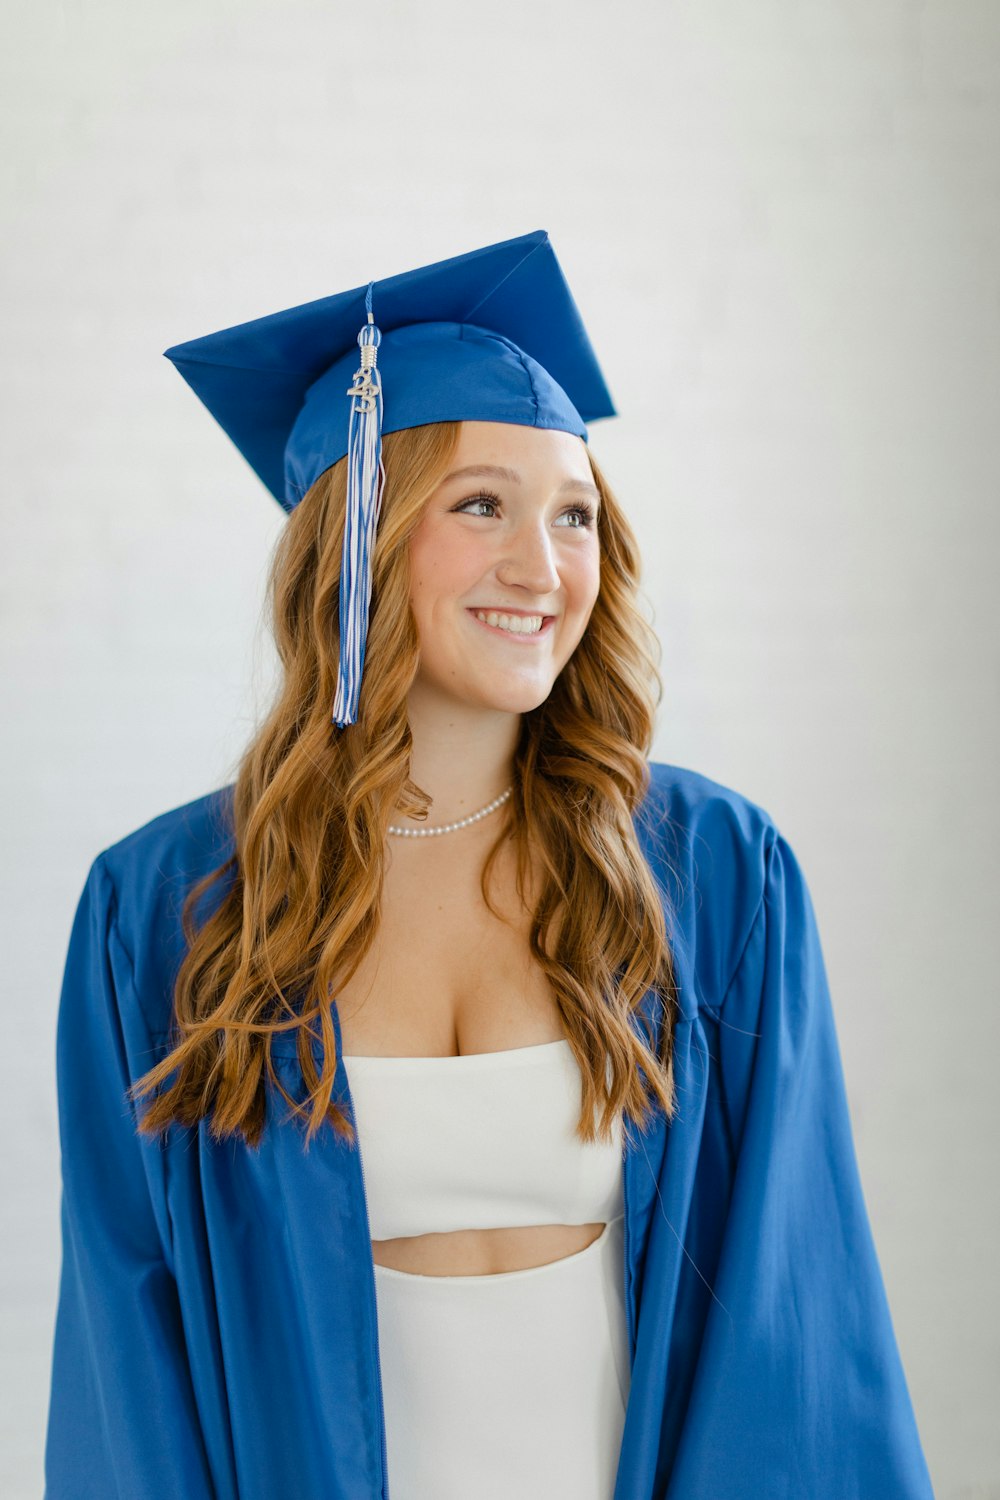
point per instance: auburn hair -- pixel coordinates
(300, 895)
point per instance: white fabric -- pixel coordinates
(482, 1141)
(502, 1385)
(505, 1386)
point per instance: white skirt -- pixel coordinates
(507, 1385)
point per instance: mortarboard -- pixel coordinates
(492, 335)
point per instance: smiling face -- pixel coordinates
(507, 543)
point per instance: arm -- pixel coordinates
(800, 1391)
(122, 1423)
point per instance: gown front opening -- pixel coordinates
(507, 1384)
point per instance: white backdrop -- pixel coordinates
(782, 225)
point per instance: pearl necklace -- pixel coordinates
(425, 833)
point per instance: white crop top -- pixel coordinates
(481, 1141)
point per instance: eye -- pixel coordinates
(585, 512)
(485, 497)
(488, 497)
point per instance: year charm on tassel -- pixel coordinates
(365, 483)
(366, 389)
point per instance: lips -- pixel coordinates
(499, 609)
(510, 635)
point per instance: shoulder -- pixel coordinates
(150, 871)
(184, 841)
(708, 846)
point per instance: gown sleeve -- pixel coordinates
(800, 1390)
(122, 1418)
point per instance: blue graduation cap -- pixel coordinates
(493, 335)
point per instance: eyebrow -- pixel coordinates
(498, 471)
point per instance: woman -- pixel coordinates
(599, 1229)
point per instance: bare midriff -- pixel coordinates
(484, 1252)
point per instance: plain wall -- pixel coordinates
(781, 223)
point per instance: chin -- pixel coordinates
(490, 689)
(523, 703)
(517, 699)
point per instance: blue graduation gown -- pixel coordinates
(216, 1330)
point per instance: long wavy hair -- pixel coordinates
(300, 895)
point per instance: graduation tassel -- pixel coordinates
(365, 483)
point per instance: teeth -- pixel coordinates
(516, 624)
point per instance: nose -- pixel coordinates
(529, 561)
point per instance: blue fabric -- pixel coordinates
(491, 335)
(216, 1330)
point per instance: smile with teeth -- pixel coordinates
(514, 624)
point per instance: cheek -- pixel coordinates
(443, 567)
(583, 579)
(426, 569)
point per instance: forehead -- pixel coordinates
(531, 450)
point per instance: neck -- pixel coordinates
(462, 756)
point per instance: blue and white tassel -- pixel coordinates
(365, 484)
